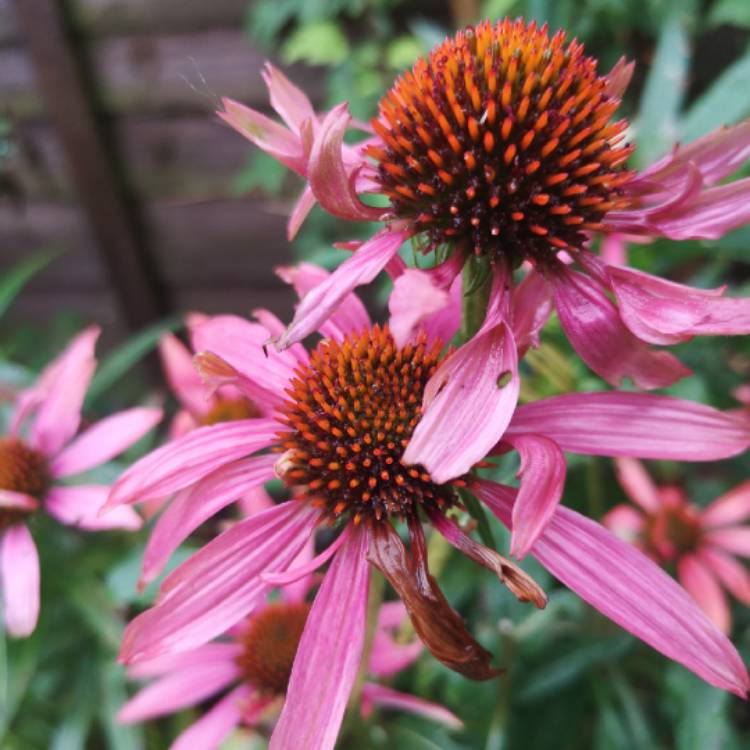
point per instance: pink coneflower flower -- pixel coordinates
(250, 669)
(501, 144)
(41, 450)
(698, 543)
(346, 415)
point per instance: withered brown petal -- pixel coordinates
(439, 627)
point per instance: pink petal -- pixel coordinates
(619, 77)
(321, 302)
(274, 139)
(329, 654)
(388, 657)
(220, 584)
(732, 507)
(217, 723)
(702, 586)
(624, 585)
(19, 576)
(349, 317)
(60, 413)
(733, 539)
(731, 574)
(80, 505)
(302, 207)
(197, 504)
(625, 522)
(191, 458)
(613, 250)
(330, 180)
(182, 688)
(637, 483)
(106, 439)
(467, 405)
(610, 423)
(287, 99)
(254, 501)
(17, 501)
(244, 346)
(389, 698)
(532, 306)
(593, 325)
(208, 654)
(177, 363)
(542, 476)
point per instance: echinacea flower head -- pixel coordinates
(698, 544)
(249, 669)
(343, 418)
(503, 143)
(41, 452)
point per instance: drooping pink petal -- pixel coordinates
(664, 312)
(197, 504)
(59, 414)
(542, 475)
(594, 328)
(619, 77)
(177, 363)
(220, 584)
(80, 505)
(467, 405)
(321, 302)
(635, 480)
(330, 179)
(106, 439)
(611, 423)
(182, 688)
(274, 139)
(254, 501)
(701, 584)
(630, 589)
(287, 99)
(731, 573)
(208, 654)
(388, 657)
(19, 580)
(349, 317)
(302, 207)
(190, 458)
(329, 653)
(734, 539)
(17, 501)
(531, 305)
(731, 507)
(389, 698)
(217, 723)
(624, 521)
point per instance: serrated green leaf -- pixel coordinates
(16, 279)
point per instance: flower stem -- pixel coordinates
(477, 281)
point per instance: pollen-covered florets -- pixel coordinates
(350, 413)
(502, 140)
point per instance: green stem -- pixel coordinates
(498, 731)
(477, 281)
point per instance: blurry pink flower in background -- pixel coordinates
(700, 544)
(345, 417)
(43, 447)
(253, 662)
(501, 144)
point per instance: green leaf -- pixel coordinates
(114, 695)
(726, 102)
(317, 43)
(73, 730)
(662, 95)
(734, 12)
(16, 279)
(476, 511)
(19, 667)
(121, 361)
(402, 52)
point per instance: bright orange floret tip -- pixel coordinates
(503, 139)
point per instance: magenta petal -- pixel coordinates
(59, 414)
(731, 507)
(323, 300)
(388, 657)
(625, 522)
(182, 688)
(220, 584)
(731, 573)
(19, 579)
(630, 589)
(190, 458)
(330, 180)
(619, 77)
(700, 583)
(542, 475)
(208, 654)
(177, 363)
(197, 504)
(287, 99)
(610, 423)
(300, 211)
(106, 439)
(17, 501)
(80, 505)
(329, 654)
(663, 312)
(732, 539)
(349, 317)
(532, 306)
(593, 325)
(390, 698)
(467, 404)
(636, 482)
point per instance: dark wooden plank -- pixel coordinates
(110, 213)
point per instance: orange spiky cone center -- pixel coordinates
(502, 140)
